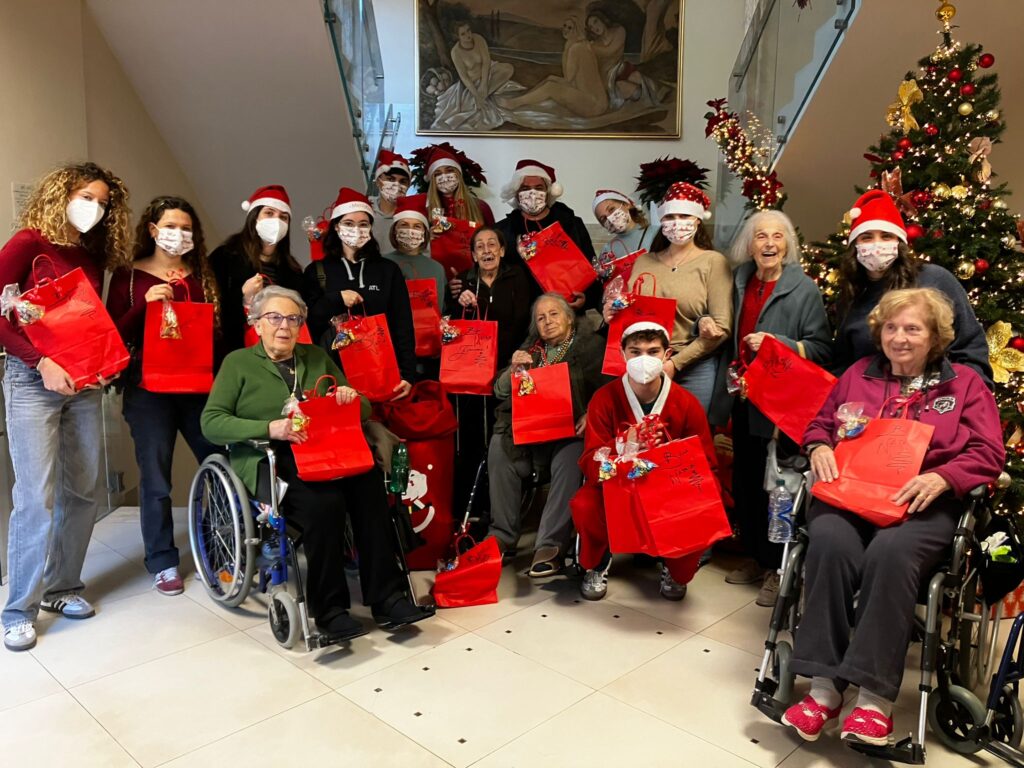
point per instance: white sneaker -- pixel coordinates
(670, 588)
(20, 636)
(71, 605)
(595, 584)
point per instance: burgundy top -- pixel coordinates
(754, 298)
(129, 313)
(16, 267)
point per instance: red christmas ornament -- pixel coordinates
(967, 89)
(914, 231)
(904, 143)
(931, 130)
(938, 234)
(897, 155)
(920, 198)
(955, 75)
(986, 60)
(1017, 342)
(984, 205)
(981, 266)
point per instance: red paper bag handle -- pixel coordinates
(639, 283)
(35, 275)
(180, 281)
(330, 390)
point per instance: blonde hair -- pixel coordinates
(46, 212)
(936, 307)
(462, 196)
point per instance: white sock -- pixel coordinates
(823, 691)
(868, 700)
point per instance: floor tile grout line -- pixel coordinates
(103, 727)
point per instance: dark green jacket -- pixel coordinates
(249, 393)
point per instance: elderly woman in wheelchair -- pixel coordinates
(244, 411)
(862, 642)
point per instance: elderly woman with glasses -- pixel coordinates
(555, 337)
(246, 403)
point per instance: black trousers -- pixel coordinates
(887, 565)
(318, 509)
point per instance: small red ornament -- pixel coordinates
(904, 143)
(984, 205)
(1019, 448)
(1017, 342)
(938, 234)
(931, 130)
(955, 75)
(986, 60)
(920, 198)
(914, 231)
(981, 266)
(897, 155)
(967, 89)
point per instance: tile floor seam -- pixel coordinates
(502, 618)
(103, 727)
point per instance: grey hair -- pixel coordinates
(562, 304)
(743, 244)
(275, 292)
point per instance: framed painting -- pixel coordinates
(550, 68)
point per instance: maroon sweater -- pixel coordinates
(129, 312)
(16, 267)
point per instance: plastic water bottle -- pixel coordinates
(780, 514)
(399, 479)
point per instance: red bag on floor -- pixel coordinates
(641, 308)
(335, 446)
(367, 356)
(788, 389)
(674, 509)
(426, 317)
(75, 330)
(873, 466)
(470, 361)
(542, 405)
(178, 362)
(450, 247)
(556, 262)
(474, 580)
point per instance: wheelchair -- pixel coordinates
(238, 542)
(957, 652)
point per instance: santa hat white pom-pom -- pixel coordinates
(556, 190)
(854, 213)
(706, 215)
(246, 206)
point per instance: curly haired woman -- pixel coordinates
(78, 217)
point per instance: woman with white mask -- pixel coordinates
(626, 223)
(391, 177)
(449, 174)
(257, 256)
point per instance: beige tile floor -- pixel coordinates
(541, 677)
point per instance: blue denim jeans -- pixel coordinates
(699, 380)
(56, 450)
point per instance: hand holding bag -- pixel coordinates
(335, 446)
(367, 355)
(469, 361)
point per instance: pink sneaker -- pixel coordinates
(168, 582)
(809, 717)
(868, 726)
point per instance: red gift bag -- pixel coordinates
(470, 361)
(474, 580)
(618, 266)
(182, 365)
(873, 466)
(542, 405)
(75, 330)
(335, 446)
(450, 246)
(556, 262)
(641, 309)
(368, 357)
(674, 509)
(788, 389)
(426, 317)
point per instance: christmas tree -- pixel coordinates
(935, 162)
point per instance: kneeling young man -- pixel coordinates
(643, 391)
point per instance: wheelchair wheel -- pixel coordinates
(953, 718)
(222, 532)
(1008, 722)
(284, 618)
(782, 671)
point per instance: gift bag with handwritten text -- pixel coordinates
(542, 405)
(875, 465)
(674, 509)
(470, 361)
(426, 317)
(368, 357)
(786, 388)
(556, 262)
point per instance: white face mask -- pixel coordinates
(643, 369)
(175, 242)
(533, 201)
(447, 183)
(679, 231)
(392, 190)
(84, 214)
(877, 256)
(271, 231)
(409, 238)
(353, 236)
(617, 221)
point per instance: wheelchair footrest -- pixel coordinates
(905, 751)
(772, 708)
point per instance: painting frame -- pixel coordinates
(646, 103)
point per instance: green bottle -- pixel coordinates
(399, 479)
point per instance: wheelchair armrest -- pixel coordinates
(259, 445)
(978, 493)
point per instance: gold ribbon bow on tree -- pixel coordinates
(1004, 360)
(899, 112)
(980, 148)
(892, 184)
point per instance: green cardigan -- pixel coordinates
(249, 393)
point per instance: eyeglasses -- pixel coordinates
(275, 319)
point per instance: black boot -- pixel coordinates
(398, 610)
(337, 626)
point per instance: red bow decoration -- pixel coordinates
(892, 184)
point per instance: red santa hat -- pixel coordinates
(389, 162)
(350, 201)
(610, 194)
(685, 199)
(442, 158)
(876, 209)
(646, 325)
(273, 195)
(412, 207)
(526, 168)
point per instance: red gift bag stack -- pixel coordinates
(542, 405)
(426, 317)
(335, 446)
(368, 357)
(556, 262)
(182, 363)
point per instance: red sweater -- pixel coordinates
(610, 411)
(129, 313)
(750, 310)
(16, 267)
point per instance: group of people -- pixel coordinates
(907, 344)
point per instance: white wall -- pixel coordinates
(713, 30)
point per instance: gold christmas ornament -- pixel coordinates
(1003, 481)
(999, 205)
(959, 192)
(965, 270)
(899, 112)
(940, 191)
(1004, 359)
(965, 109)
(832, 277)
(968, 211)
(945, 13)
(992, 115)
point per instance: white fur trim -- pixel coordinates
(532, 170)
(634, 403)
(609, 196)
(645, 325)
(353, 207)
(879, 224)
(684, 207)
(273, 202)
(444, 162)
(413, 215)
